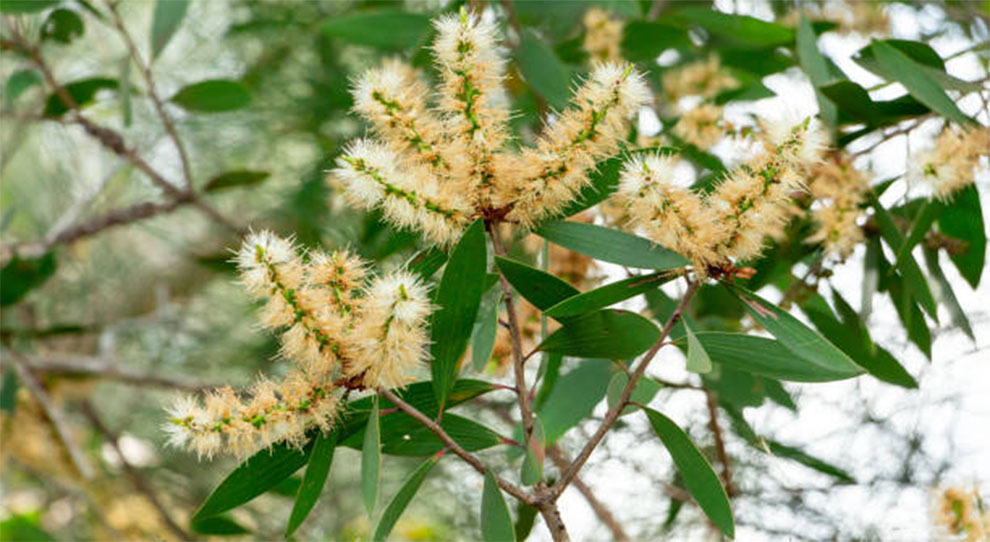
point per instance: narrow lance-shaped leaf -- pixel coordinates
(609, 294)
(694, 469)
(261, 472)
(540, 288)
(946, 295)
(401, 499)
(794, 335)
(543, 71)
(815, 65)
(485, 329)
(610, 334)
(167, 19)
(496, 523)
(919, 83)
(697, 357)
(213, 96)
(536, 449)
(644, 392)
(312, 484)
(458, 298)
(371, 460)
(919, 289)
(610, 245)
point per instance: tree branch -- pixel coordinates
(604, 514)
(412, 411)
(613, 414)
(723, 456)
(99, 368)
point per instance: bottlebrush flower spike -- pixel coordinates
(541, 181)
(948, 166)
(391, 336)
(435, 170)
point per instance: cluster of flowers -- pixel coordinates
(602, 35)
(840, 192)
(340, 330)
(434, 168)
(753, 200)
(948, 166)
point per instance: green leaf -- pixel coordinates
(234, 179)
(386, 29)
(794, 335)
(312, 484)
(167, 19)
(644, 392)
(126, 111)
(610, 333)
(926, 58)
(14, 7)
(526, 517)
(740, 29)
(540, 288)
(697, 358)
(401, 500)
(419, 395)
(218, 526)
(694, 469)
(610, 245)
(925, 217)
(943, 290)
(536, 451)
(963, 219)
(458, 297)
(21, 275)
(909, 267)
(261, 472)
(18, 83)
(8, 391)
(213, 96)
(62, 25)
(574, 397)
(816, 67)
(542, 70)
(900, 67)
(403, 435)
(426, 262)
(485, 329)
(496, 523)
(82, 92)
(23, 527)
(908, 312)
(609, 294)
(643, 41)
(371, 460)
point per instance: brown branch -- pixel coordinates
(604, 514)
(153, 94)
(723, 456)
(99, 368)
(518, 361)
(135, 475)
(412, 411)
(109, 138)
(613, 414)
(31, 382)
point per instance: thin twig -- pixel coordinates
(452, 444)
(518, 361)
(54, 415)
(723, 456)
(613, 413)
(98, 368)
(137, 478)
(153, 94)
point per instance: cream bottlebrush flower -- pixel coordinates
(313, 332)
(280, 412)
(949, 166)
(702, 126)
(602, 35)
(962, 513)
(541, 181)
(391, 335)
(472, 98)
(704, 78)
(839, 191)
(393, 99)
(374, 176)
(670, 215)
